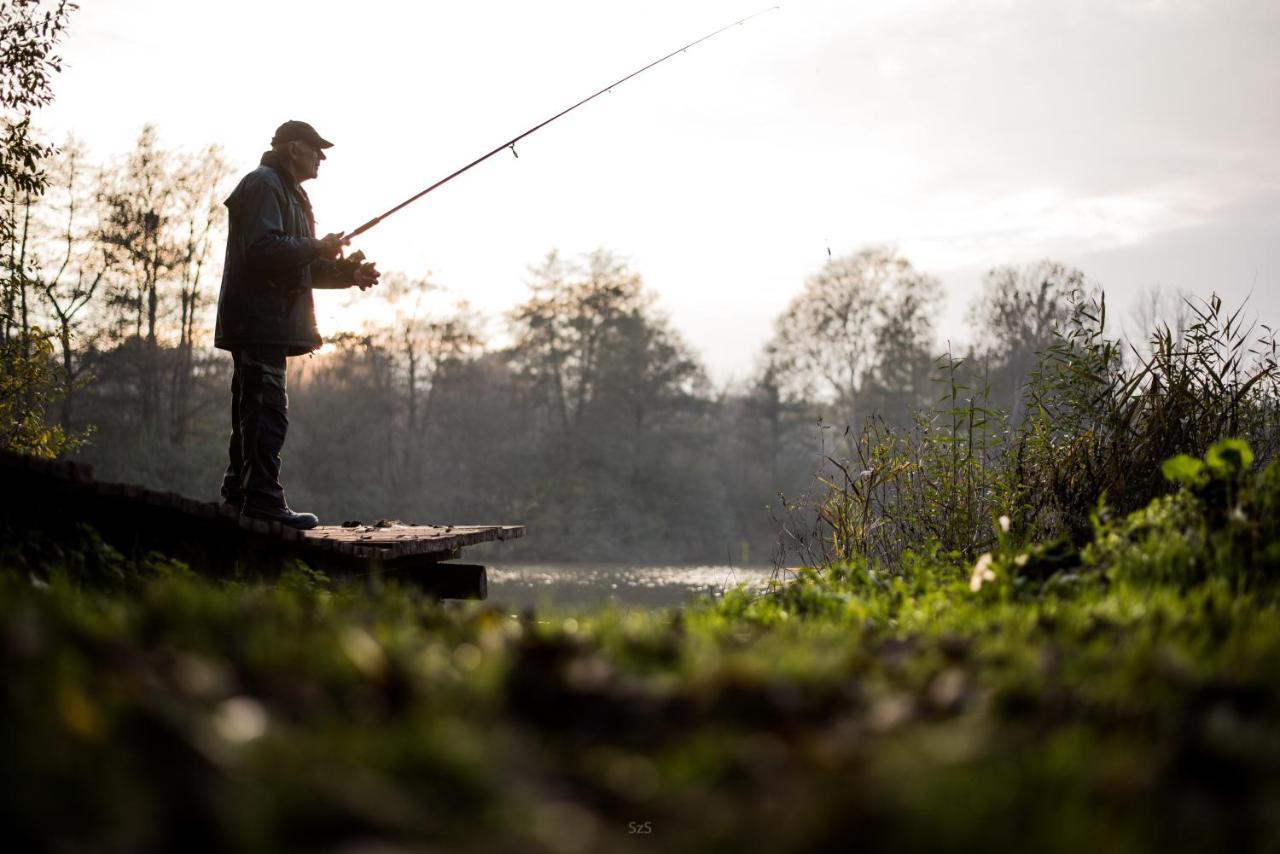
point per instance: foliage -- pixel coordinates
(587, 326)
(29, 32)
(28, 385)
(1016, 318)
(595, 423)
(618, 413)
(1222, 523)
(941, 481)
(860, 332)
(1099, 426)
(1084, 708)
(160, 225)
(1094, 426)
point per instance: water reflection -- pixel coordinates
(571, 586)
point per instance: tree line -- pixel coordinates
(594, 423)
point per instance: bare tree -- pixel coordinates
(863, 321)
(138, 201)
(198, 217)
(427, 342)
(1154, 311)
(1016, 317)
(69, 266)
(161, 212)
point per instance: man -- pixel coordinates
(266, 313)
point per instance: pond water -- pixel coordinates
(562, 587)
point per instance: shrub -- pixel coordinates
(1097, 426)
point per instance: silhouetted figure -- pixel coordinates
(266, 312)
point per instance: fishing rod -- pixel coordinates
(511, 143)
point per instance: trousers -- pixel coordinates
(259, 424)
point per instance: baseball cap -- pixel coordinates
(294, 129)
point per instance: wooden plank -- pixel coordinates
(443, 580)
(123, 509)
(407, 540)
(160, 499)
(256, 525)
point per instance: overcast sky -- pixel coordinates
(1136, 140)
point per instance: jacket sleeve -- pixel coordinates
(264, 243)
(331, 274)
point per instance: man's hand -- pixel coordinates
(331, 246)
(367, 276)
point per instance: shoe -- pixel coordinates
(283, 515)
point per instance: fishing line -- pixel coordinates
(511, 143)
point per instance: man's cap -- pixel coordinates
(294, 129)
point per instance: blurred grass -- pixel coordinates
(1127, 700)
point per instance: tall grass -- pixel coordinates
(886, 496)
(1100, 419)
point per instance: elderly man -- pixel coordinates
(266, 313)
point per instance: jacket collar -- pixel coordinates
(272, 160)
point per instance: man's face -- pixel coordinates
(306, 160)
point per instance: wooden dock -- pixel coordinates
(136, 519)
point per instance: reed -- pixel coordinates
(1100, 418)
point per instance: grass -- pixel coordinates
(1100, 421)
(1126, 698)
(1060, 634)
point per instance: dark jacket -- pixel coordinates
(271, 266)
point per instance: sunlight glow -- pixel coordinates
(969, 134)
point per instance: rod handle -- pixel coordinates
(356, 232)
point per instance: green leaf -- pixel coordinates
(1186, 470)
(1229, 458)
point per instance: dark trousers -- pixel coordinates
(259, 423)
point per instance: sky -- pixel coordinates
(1135, 140)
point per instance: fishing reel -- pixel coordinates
(348, 264)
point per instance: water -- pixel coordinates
(575, 586)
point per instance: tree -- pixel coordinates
(1016, 318)
(646, 375)
(424, 344)
(859, 334)
(68, 266)
(198, 217)
(766, 452)
(562, 329)
(1157, 311)
(29, 32)
(160, 213)
(624, 436)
